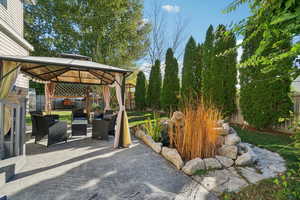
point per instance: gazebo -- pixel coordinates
(51, 70)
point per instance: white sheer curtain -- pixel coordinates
(121, 109)
(106, 96)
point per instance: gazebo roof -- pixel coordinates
(66, 70)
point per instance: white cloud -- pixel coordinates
(171, 8)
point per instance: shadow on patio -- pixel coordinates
(92, 169)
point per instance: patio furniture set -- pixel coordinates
(57, 131)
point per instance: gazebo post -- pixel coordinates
(123, 90)
(87, 104)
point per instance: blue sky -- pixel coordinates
(200, 14)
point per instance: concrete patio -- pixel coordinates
(87, 169)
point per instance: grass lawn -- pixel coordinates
(266, 189)
(134, 117)
(63, 116)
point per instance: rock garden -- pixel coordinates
(201, 145)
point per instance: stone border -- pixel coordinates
(237, 165)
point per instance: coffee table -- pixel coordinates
(79, 127)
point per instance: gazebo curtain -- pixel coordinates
(49, 92)
(9, 72)
(122, 134)
(106, 97)
(9, 75)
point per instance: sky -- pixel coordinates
(198, 14)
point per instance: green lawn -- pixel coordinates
(267, 189)
(134, 117)
(63, 115)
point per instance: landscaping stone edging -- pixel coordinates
(225, 173)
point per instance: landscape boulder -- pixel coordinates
(151, 143)
(140, 134)
(220, 123)
(226, 127)
(232, 139)
(212, 163)
(247, 155)
(173, 156)
(226, 162)
(193, 165)
(244, 159)
(229, 151)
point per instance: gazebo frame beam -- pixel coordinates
(100, 77)
(50, 72)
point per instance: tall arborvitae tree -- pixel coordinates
(199, 69)
(170, 91)
(153, 95)
(207, 58)
(140, 91)
(223, 77)
(264, 95)
(189, 83)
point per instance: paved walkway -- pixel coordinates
(86, 169)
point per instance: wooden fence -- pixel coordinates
(285, 126)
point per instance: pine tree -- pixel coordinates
(264, 95)
(140, 91)
(189, 83)
(199, 69)
(170, 91)
(223, 77)
(207, 58)
(154, 89)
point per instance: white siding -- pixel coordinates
(9, 47)
(13, 15)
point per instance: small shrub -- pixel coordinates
(289, 184)
(154, 128)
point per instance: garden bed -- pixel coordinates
(228, 171)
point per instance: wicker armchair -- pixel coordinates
(57, 131)
(104, 127)
(50, 118)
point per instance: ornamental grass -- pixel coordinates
(195, 134)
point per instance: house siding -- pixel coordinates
(13, 16)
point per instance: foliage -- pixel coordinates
(111, 32)
(189, 83)
(154, 128)
(154, 88)
(207, 58)
(223, 72)
(140, 91)
(39, 87)
(201, 172)
(198, 136)
(290, 184)
(199, 69)
(271, 18)
(264, 95)
(170, 90)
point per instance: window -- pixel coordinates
(3, 3)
